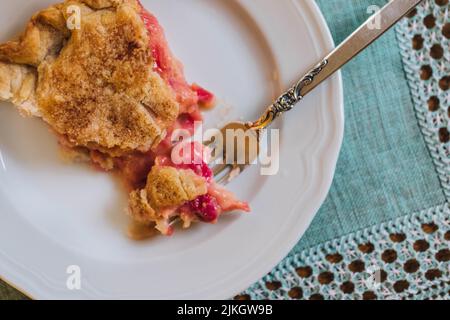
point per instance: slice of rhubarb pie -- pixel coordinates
(113, 93)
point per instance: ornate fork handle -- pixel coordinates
(392, 12)
(289, 99)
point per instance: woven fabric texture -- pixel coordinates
(385, 170)
(402, 258)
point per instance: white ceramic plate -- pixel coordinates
(54, 215)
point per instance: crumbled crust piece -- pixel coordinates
(167, 189)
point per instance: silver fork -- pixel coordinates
(228, 167)
(225, 167)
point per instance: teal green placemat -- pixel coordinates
(385, 170)
(384, 231)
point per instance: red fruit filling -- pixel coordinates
(210, 206)
(206, 208)
(205, 98)
(171, 70)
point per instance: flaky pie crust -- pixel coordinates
(94, 86)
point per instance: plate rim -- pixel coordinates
(337, 84)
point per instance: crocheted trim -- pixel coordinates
(402, 259)
(424, 42)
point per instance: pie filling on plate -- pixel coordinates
(113, 93)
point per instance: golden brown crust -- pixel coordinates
(167, 188)
(96, 85)
(39, 40)
(18, 85)
(102, 4)
(139, 209)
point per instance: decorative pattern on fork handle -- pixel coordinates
(289, 99)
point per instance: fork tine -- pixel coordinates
(224, 179)
(219, 168)
(225, 171)
(221, 173)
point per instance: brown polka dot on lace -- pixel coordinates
(325, 278)
(436, 51)
(401, 285)
(357, 266)
(304, 272)
(430, 228)
(412, 13)
(433, 274)
(316, 296)
(369, 295)
(417, 42)
(443, 255)
(389, 256)
(446, 30)
(444, 135)
(347, 287)
(334, 258)
(433, 104)
(397, 237)
(426, 72)
(421, 245)
(366, 248)
(447, 236)
(411, 266)
(441, 2)
(295, 293)
(444, 83)
(243, 297)
(274, 285)
(429, 21)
